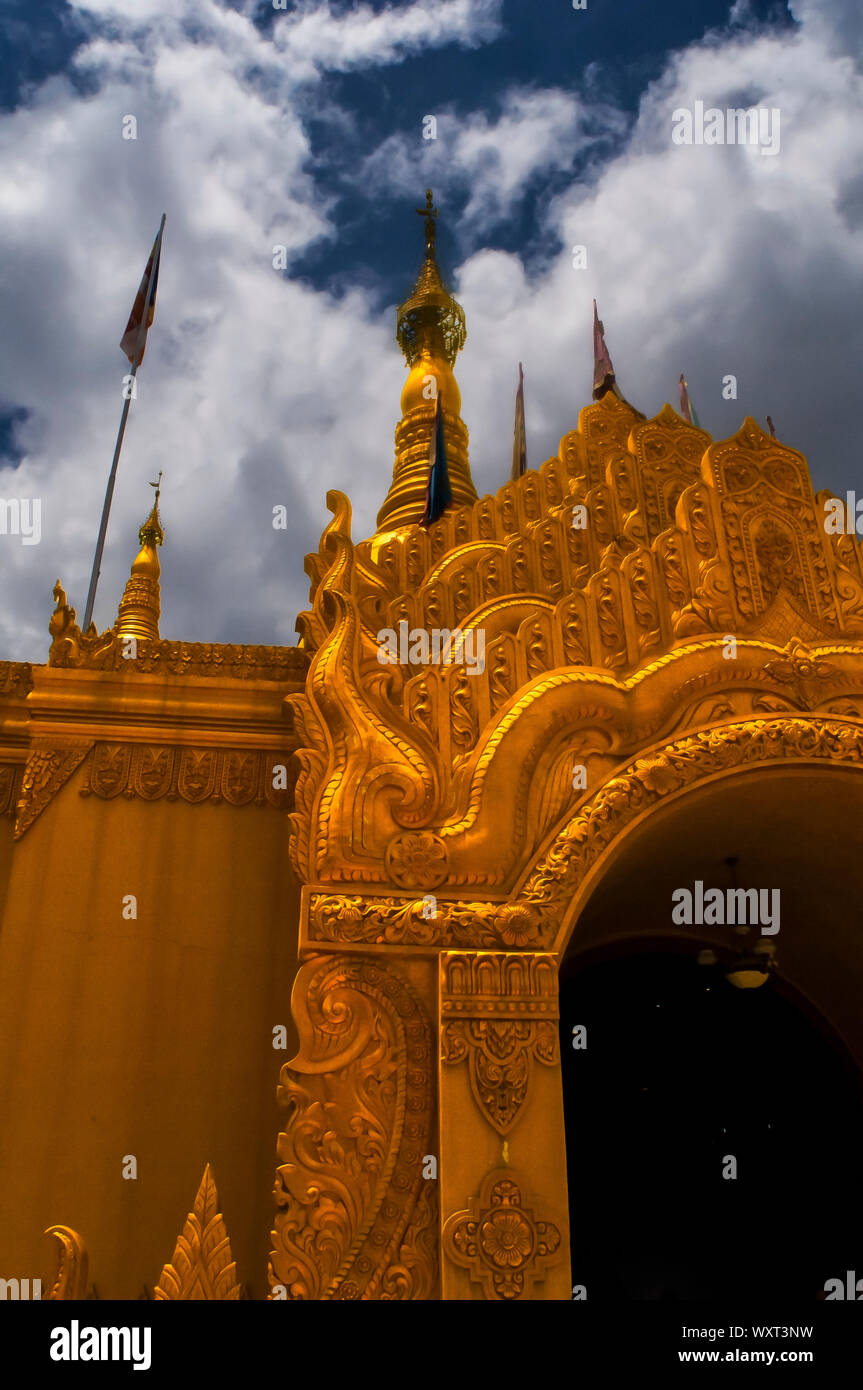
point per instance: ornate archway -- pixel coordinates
(450, 826)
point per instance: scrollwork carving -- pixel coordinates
(663, 772)
(376, 921)
(353, 1220)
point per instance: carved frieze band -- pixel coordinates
(500, 1240)
(152, 771)
(499, 1013)
(426, 922)
(356, 1219)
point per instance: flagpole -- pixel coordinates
(109, 491)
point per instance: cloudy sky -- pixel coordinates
(302, 127)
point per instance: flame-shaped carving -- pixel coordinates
(201, 1267)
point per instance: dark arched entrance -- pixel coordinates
(680, 1070)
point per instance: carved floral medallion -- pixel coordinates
(500, 1240)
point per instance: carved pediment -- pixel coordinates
(679, 543)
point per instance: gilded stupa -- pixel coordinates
(431, 333)
(140, 605)
(195, 834)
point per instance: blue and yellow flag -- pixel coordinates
(439, 492)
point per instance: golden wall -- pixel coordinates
(147, 952)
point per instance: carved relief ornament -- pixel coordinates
(201, 1267)
(356, 1219)
(500, 1240)
(532, 918)
(239, 776)
(49, 766)
(499, 1013)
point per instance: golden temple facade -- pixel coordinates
(194, 834)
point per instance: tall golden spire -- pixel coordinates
(430, 332)
(140, 605)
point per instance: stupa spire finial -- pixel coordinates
(430, 331)
(140, 606)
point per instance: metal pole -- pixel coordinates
(109, 491)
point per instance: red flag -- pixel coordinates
(603, 370)
(519, 439)
(684, 400)
(130, 340)
(687, 409)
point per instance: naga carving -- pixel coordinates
(70, 1282)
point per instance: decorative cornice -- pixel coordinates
(236, 776)
(202, 1267)
(531, 918)
(105, 652)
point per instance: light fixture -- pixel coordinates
(752, 966)
(753, 970)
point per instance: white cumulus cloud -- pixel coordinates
(259, 390)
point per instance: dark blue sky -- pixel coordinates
(607, 53)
